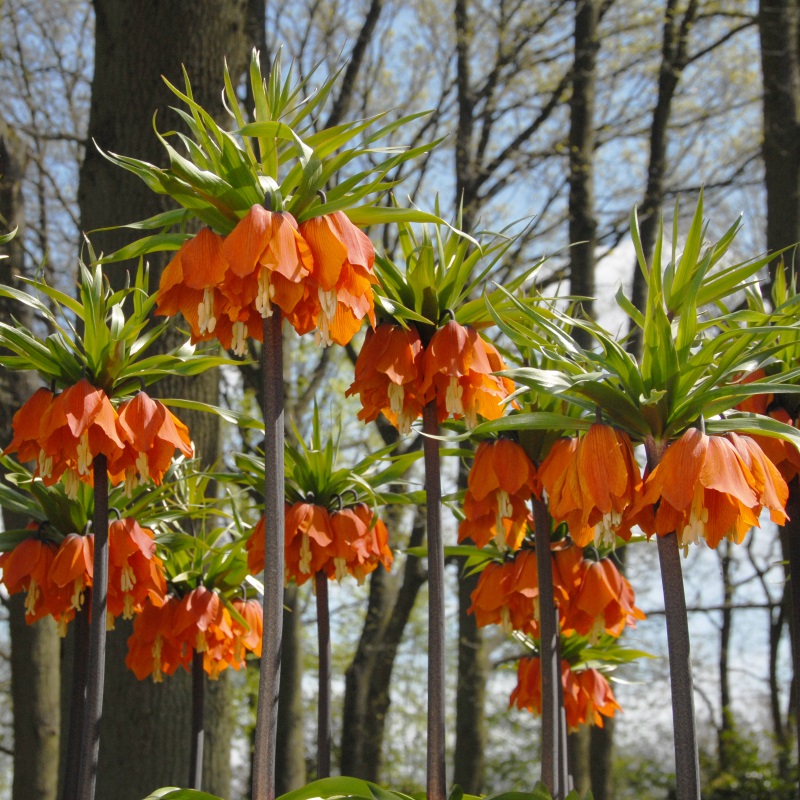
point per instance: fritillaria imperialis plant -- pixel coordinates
(280, 201)
(705, 477)
(331, 532)
(92, 425)
(427, 358)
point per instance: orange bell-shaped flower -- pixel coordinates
(358, 544)
(78, 425)
(590, 484)
(343, 261)
(153, 433)
(499, 487)
(72, 569)
(191, 284)
(388, 374)
(26, 424)
(703, 489)
(308, 541)
(269, 262)
(203, 624)
(26, 568)
(247, 637)
(135, 573)
(458, 366)
(153, 648)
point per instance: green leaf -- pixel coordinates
(172, 793)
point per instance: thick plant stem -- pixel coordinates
(198, 727)
(95, 670)
(80, 630)
(687, 765)
(790, 543)
(549, 654)
(433, 493)
(270, 671)
(324, 695)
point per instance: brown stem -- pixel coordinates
(270, 670)
(687, 765)
(198, 729)
(324, 694)
(549, 654)
(95, 669)
(433, 500)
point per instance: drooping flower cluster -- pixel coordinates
(56, 577)
(340, 543)
(501, 481)
(64, 433)
(165, 637)
(318, 273)
(587, 694)
(710, 488)
(396, 376)
(592, 596)
(591, 482)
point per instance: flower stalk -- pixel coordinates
(436, 782)
(198, 723)
(552, 757)
(687, 764)
(324, 671)
(95, 670)
(270, 669)
(80, 644)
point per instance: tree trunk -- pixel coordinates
(582, 219)
(290, 760)
(35, 658)
(134, 45)
(674, 57)
(35, 693)
(473, 667)
(368, 679)
(579, 761)
(779, 29)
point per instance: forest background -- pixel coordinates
(561, 112)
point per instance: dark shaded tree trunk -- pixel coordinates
(473, 672)
(779, 30)
(36, 695)
(473, 669)
(290, 762)
(674, 57)
(35, 649)
(134, 45)
(368, 679)
(579, 761)
(582, 219)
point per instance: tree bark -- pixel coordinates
(290, 761)
(473, 668)
(779, 30)
(134, 45)
(674, 57)
(35, 649)
(582, 219)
